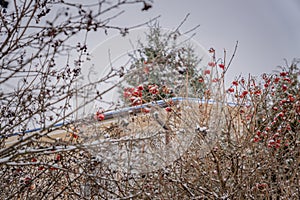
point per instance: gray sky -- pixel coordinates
(268, 31)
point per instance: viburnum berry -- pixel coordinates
(215, 80)
(146, 110)
(283, 74)
(75, 136)
(206, 72)
(58, 157)
(244, 93)
(242, 81)
(276, 80)
(231, 90)
(137, 101)
(126, 94)
(222, 66)
(258, 92)
(281, 114)
(140, 87)
(276, 135)
(283, 101)
(291, 99)
(284, 87)
(271, 143)
(266, 85)
(100, 116)
(287, 80)
(235, 83)
(201, 80)
(212, 64)
(168, 109)
(33, 160)
(153, 89)
(256, 139)
(258, 133)
(136, 93)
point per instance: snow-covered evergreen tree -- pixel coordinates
(167, 63)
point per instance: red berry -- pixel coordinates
(135, 93)
(256, 139)
(53, 168)
(126, 94)
(271, 142)
(244, 93)
(146, 110)
(58, 157)
(276, 135)
(215, 80)
(284, 88)
(222, 66)
(257, 92)
(291, 98)
(211, 64)
(287, 80)
(100, 117)
(281, 114)
(283, 73)
(275, 108)
(206, 72)
(231, 90)
(235, 83)
(140, 87)
(266, 85)
(276, 80)
(258, 133)
(168, 109)
(74, 135)
(153, 89)
(282, 101)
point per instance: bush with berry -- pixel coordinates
(256, 155)
(164, 68)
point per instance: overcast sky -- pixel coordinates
(268, 31)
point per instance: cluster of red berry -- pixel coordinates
(275, 111)
(146, 93)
